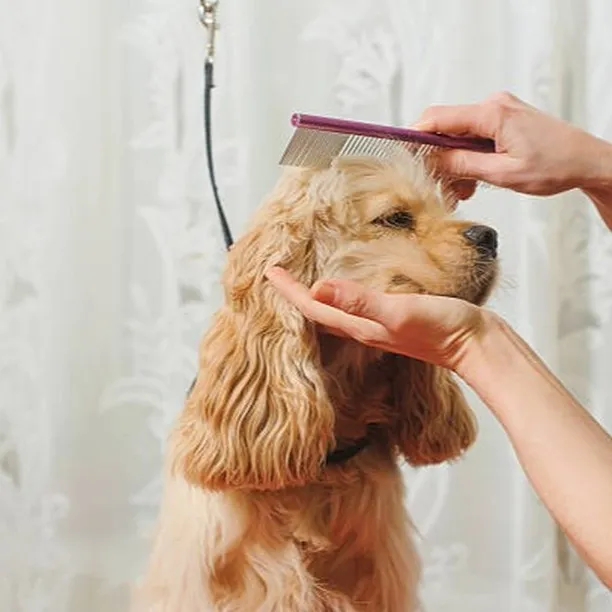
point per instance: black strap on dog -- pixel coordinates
(342, 455)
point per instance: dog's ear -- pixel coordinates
(259, 415)
(435, 423)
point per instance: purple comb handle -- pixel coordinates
(359, 128)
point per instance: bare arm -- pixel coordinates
(598, 186)
(565, 453)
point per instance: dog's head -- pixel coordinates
(264, 410)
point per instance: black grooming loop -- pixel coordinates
(208, 18)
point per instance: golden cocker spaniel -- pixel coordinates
(283, 491)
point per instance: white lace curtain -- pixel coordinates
(110, 253)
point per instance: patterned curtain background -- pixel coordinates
(110, 254)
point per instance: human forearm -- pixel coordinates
(597, 182)
(602, 198)
(565, 453)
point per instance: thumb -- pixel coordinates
(474, 119)
(350, 297)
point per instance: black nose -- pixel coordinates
(483, 238)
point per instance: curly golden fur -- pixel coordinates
(252, 517)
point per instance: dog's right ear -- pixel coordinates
(259, 415)
(435, 422)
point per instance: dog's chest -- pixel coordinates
(325, 518)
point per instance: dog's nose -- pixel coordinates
(484, 238)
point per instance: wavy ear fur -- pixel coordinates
(435, 423)
(259, 415)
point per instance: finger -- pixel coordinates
(390, 313)
(474, 119)
(457, 190)
(464, 189)
(489, 167)
(363, 330)
(350, 297)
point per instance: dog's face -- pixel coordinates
(388, 226)
(262, 414)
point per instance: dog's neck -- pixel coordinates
(358, 387)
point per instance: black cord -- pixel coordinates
(227, 234)
(208, 86)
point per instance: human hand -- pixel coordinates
(429, 328)
(535, 153)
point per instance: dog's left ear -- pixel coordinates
(435, 423)
(259, 415)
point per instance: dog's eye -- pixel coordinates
(400, 219)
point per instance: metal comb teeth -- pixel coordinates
(312, 148)
(316, 149)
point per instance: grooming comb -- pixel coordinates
(318, 140)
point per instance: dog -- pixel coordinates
(283, 490)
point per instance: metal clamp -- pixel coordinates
(208, 18)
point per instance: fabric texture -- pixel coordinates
(110, 253)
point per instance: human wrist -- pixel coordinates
(476, 349)
(490, 357)
(505, 372)
(596, 183)
(596, 173)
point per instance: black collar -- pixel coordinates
(342, 455)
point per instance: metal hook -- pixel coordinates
(208, 17)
